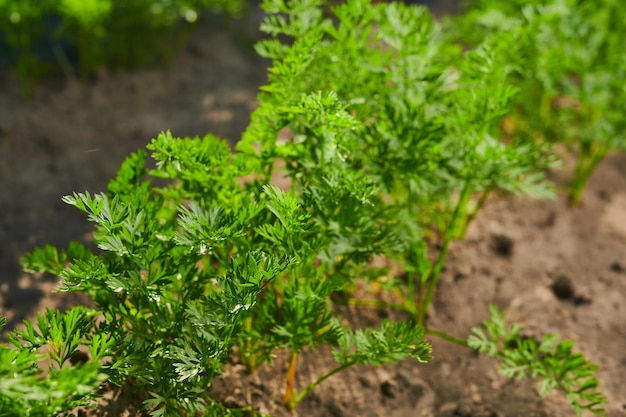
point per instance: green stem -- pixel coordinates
(433, 280)
(479, 204)
(249, 357)
(586, 164)
(63, 61)
(410, 301)
(340, 368)
(446, 336)
(545, 107)
(314, 384)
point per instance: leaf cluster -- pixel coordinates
(393, 342)
(570, 66)
(379, 101)
(171, 282)
(551, 362)
(188, 270)
(28, 390)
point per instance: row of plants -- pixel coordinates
(569, 62)
(79, 36)
(392, 135)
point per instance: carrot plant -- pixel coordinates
(570, 57)
(169, 282)
(388, 135)
(552, 362)
(428, 142)
(182, 268)
(332, 233)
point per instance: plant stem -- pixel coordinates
(290, 382)
(410, 299)
(446, 336)
(472, 215)
(433, 280)
(587, 162)
(249, 357)
(295, 401)
(314, 384)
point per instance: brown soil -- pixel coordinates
(555, 269)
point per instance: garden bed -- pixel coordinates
(552, 267)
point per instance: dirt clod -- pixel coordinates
(79, 357)
(387, 389)
(502, 246)
(603, 195)
(459, 276)
(562, 288)
(617, 267)
(581, 300)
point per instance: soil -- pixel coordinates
(555, 269)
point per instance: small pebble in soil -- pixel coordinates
(562, 288)
(502, 245)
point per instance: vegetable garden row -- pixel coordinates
(393, 130)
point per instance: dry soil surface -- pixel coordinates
(554, 268)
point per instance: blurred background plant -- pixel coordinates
(76, 37)
(570, 65)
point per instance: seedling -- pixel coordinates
(551, 362)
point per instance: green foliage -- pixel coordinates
(171, 283)
(410, 119)
(391, 343)
(391, 139)
(20, 23)
(25, 390)
(178, 280)
(552, 363)
(106, 33)
(570, 67)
